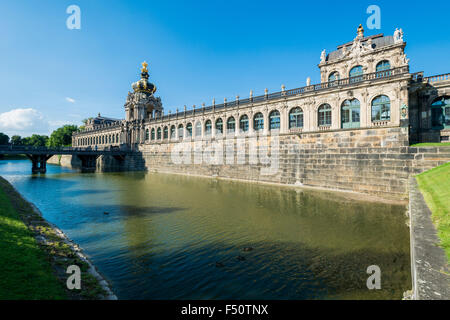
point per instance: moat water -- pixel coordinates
(177, 237)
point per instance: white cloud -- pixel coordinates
(23, 122)
(71, 100)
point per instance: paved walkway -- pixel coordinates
(430, 269)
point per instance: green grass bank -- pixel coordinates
(34, 257)
(435, 187)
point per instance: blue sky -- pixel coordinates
(50, 75)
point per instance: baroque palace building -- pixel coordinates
(365, 84)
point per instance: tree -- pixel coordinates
(4, 139)
(16, 140)
(62, 137)
(35, 140)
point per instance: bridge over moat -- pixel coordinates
(40, 155)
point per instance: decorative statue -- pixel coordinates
(398, 35)
(308, 81)
(323, 56)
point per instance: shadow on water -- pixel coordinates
(178, 237)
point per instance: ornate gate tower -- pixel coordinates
(141, 104)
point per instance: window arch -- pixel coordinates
(219, 126)
(356, 71)
(350, 113)
(296, 118)
(258, 122)
(324, 115)
(147, 135)
(158, 133)
(208, 127)
(231, 125)
(383, 66)
(189, 129)
(180, 132)
(274, 120)
(166, 133)
(117, 138)
(381, 108)
(440, 113)
(172, 132)
(198, 129)
(153, 134)
(243, 123)
(334, 76)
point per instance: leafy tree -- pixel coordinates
(35, 140)
(4, 139)
(16, 140)
(62, 137)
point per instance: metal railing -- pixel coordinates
(386, 74)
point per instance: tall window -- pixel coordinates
(243, 123)
(117, 138)
(381, 109)
(172, 132)
(350, 112)
(158, 134)
(356, 71)
(333, 76)
(231, 125)
(383, 66)
(258, 122)
(180, 132)
(198, 129)
(440, 113)
(166, 133)
(219, 126)
(324, 115)
(189, 129)
(147, 136)
(153, 134)
(274, 120)
(296, 118)
(208, 127)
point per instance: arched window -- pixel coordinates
(166, 132)
(296, 118)
(356, 71)
(198, 129)
(180, 132)
(258, 122)
(274, 120)
(324, 115)
(208, 127)
(117, 138)
(147, 136)
(189, 129)
(158, 133)
(231, 125)
(219, 126)
(334, 76)
(103, 139)
(172, 132)
(350, 111)
(153, 134)
(243, 123)
(383, 66)
(381, 109)
(440, 113)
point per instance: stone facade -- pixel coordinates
(350, 132)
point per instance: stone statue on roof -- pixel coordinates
(323, 56)
(398, 35)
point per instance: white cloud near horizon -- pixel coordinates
(71, 100)
(27, 121)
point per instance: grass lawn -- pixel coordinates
(25, 272)
(435, 187)
(432, 144)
